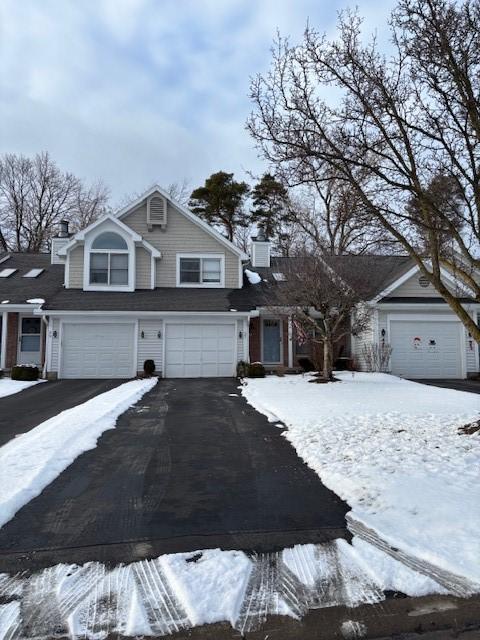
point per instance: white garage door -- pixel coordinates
(97, 351)
(199, 350)
(426, 349)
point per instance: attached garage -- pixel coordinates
(427, 347)
(97, 350)
(199, 350)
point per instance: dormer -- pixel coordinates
(156, 211)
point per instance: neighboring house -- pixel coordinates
(155, 282)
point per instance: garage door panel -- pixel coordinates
(91, 350)
(199, 350)
(426, 348)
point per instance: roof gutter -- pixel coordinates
(136, 314)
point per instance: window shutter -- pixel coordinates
(157, 211)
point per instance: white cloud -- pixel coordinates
(136, 91)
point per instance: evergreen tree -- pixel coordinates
(270, 205)
(221, 202)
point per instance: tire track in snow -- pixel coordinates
(93, 601)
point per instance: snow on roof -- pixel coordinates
(278, 276)
(252, 276)
(36, 301)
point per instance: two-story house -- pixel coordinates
(154, 281)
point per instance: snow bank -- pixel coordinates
(391, 449)
(7, 386)
(33, 460)
(252, 276)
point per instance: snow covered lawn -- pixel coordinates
(8, 386)
(391, 449)
(33, 460)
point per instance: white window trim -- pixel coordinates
(130, 286)
(202, 285)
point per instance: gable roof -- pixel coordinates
(17, 289)
(124, 211)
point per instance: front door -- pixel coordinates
(271, 341)
(29, 340)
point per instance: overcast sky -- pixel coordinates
(141, 91)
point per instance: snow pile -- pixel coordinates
(392, 450)
(36, 301)
(33, 460)
(210, 584)
(7, 386)
(252, 276)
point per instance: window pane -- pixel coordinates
(118, 276)
(118, 261)
(109, 240)
(31, 325)
(211, 270)
(30, 343)
(98, 268)
(189, 270)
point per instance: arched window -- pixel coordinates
(109, 260)
(110, 240)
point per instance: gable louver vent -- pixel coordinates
(157, 211)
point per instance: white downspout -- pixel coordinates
(3, 347)
(46, 347)
(290, 342)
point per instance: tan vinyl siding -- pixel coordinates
(180, 236)
(142, 268)
(412, 289)
(150, 347)
(75, 268)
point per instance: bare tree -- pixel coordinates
(324, 298)
(35, 195)
(180, 191)
(387, 127)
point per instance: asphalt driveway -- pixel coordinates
(191, 466)
(472, 385)
(26, 409)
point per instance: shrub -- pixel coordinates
(24, 372)
(256, 370)
(306, 364)
(377, 356)
(149, 368)
(242, 369)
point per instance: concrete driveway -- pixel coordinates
(26, 409)
(191, 466)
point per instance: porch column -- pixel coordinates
(290, 342)
(3, 346)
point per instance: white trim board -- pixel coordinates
(411, 272)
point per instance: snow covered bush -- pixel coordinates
(25, 372)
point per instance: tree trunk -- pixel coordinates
(327, 359)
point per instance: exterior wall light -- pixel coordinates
(240, 334)
(54, 334)
(142, 334)
(159, 334)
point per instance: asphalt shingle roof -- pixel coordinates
(17, 289)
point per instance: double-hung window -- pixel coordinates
(201, 270)
(109, 260)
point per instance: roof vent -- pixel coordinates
(157, 211)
